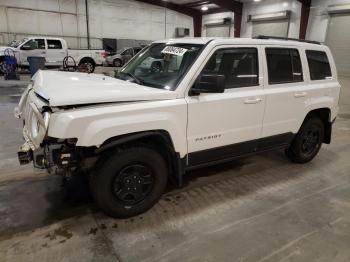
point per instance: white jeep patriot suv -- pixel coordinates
(177, 105)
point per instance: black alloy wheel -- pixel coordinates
(307, 142)
(133, 184)
(310, 141)
(129, 181)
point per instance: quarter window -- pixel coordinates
(54, 44)
(318, 65)
(238, 65)
(284, 65)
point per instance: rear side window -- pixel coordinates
(238, 65)
(318, 65)
(54, 44)
(284, 65)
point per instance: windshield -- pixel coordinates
(161, 65)
(16, 43)
(120, 51)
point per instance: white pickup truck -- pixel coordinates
(211, 101)
(54, 50)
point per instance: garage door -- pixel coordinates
(218, 31)
(271, 28)
(338, 40)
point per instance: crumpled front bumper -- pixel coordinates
(25, 152)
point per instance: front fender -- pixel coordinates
(94, 125)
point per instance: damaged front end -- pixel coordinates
(58, 156)
(63, 157)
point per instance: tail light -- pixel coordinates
(104, 54)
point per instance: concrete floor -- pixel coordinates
(261, 208)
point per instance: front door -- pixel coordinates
(33, 47)
(228, 124)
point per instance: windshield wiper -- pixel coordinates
(137, 80)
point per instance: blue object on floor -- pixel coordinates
(35, 63)
(10, 65)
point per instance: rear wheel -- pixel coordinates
(129, 182)
(87, 65)
(307, 142)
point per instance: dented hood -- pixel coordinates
(67, 88)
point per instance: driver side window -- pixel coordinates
(36, 44)
(238, 65)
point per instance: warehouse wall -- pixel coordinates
(271, 6)
(120, 19)
(217, 17)
(318, 20)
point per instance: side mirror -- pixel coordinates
(209, 84)
(26, 47)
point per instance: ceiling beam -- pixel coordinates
(305, 2)
(304, 17)
(175, 7)
(230, 5)
(197, 3)
(214, 10)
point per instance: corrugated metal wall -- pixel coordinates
(119, 19)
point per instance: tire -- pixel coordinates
(129, 182)
(2, 66)
(117, 63)
(87, 65)
(308, 141)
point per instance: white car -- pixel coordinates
(122, 56)
(54, 50)
(212, 100)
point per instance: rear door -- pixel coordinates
(224, 125)
(55, 52)
(285, 90)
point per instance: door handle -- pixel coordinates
(252, 100)
(301, 94)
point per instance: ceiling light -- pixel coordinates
(257, 0)
(204, 8)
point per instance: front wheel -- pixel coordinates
(307, 143)
(117, 63)
(129, 182)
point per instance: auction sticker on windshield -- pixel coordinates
(174, 50)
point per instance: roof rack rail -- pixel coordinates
(286, 38)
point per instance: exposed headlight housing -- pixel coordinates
(38, 124)
(34, 126)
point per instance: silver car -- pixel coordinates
(122, 56)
